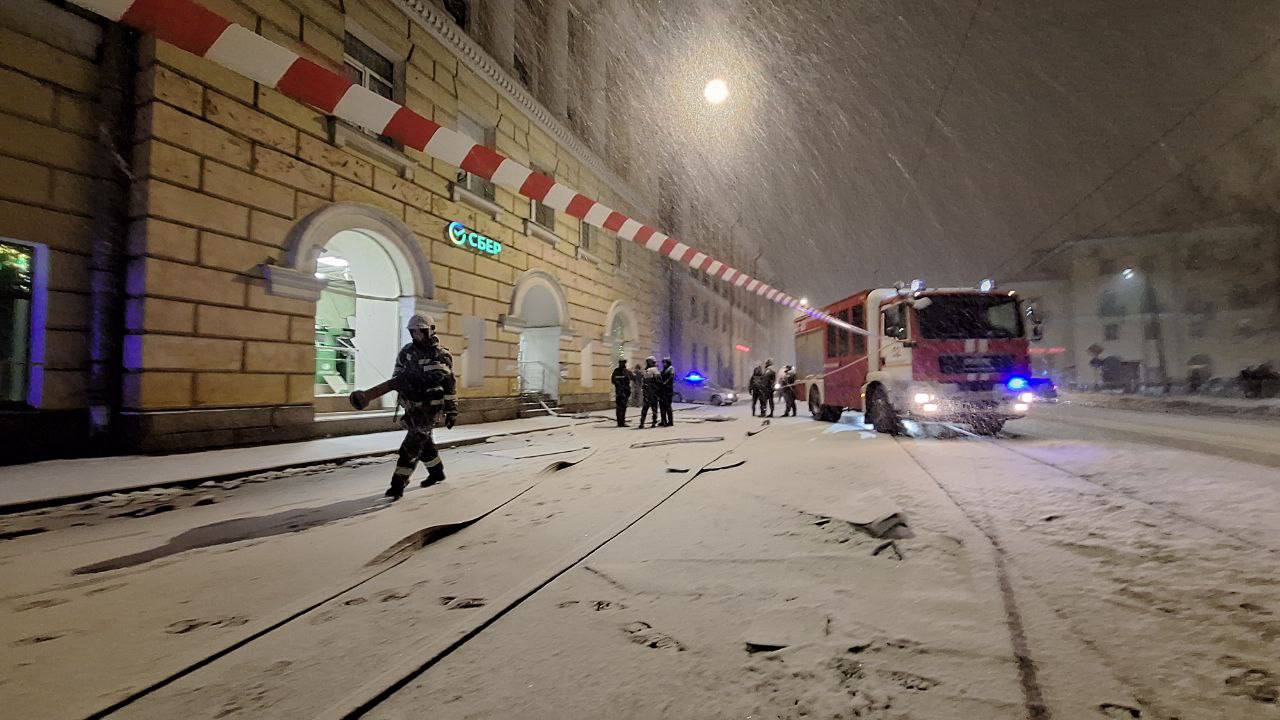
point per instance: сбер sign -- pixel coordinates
(463, 236)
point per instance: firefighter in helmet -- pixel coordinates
(427, 389)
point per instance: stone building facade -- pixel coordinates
(1203, 301)
(199, 261)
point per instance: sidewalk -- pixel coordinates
(1264, 408)
(57, 481)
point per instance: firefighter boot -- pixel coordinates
(435, 468)
(400, 479)
(396, 491)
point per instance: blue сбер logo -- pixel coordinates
(464, 236)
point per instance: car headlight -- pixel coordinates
(923, 397)
(929, 407)
(1027, 397)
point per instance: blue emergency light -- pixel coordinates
(694, 377)
(1017, 383)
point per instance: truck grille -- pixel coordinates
(965, 364)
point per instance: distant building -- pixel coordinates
(1200, 302)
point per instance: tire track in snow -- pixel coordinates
(1135, 498)
(1032, 694)
(373, 694)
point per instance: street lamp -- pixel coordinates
(1150, 303)
(804, 302)
(716, 91)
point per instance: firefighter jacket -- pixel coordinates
(667, 383)
(424, 376)
(652, 381)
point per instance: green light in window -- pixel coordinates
(15, 269)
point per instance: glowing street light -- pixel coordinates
(1127, 273)
(804, 302)
(716, 91)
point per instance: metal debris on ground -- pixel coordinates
(726, 465)
(535, 451)
(888, 545)
(559, 465)
(784, 627)
(677, 441)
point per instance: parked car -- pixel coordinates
(694, 388)
(1046, 389)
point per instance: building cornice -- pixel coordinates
(471, 54)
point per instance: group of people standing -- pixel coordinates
(655, 387)
(764, 380)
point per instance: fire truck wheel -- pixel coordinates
(883, 417)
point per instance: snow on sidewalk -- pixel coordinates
(1190, 404)
(64, 480)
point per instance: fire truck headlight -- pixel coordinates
(929, 407)
(922, 398)
(1027, 397)
(1021, 407)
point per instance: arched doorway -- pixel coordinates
(359, 323)
(367, 275)
(621, 332)
(540, 314)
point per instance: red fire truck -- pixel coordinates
(935, 354)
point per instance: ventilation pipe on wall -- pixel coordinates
(110, 211)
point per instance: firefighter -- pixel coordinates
(649, 389)
(621, 391)
(667, 392)
(424, 379)
(754, 386)
(768, 379)
(788, 381)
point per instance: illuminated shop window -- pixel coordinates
(21, 322)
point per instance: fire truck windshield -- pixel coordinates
(970, 316)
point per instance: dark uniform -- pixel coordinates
(427, 388)
(621, 391)
(753, 385)
(768, 379)
(666, 392)
(652, 379)
(788, 380)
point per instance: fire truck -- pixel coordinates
(956, 355)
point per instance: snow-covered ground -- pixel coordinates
(1056, 572)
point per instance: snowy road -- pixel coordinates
(1064, 571)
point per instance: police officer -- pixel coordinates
(424, 379)
(666, 392)
(652, 380)
(788, 381)
(754, 386)
(768, 379)
(621, 391)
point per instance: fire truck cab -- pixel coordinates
(929, 354)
